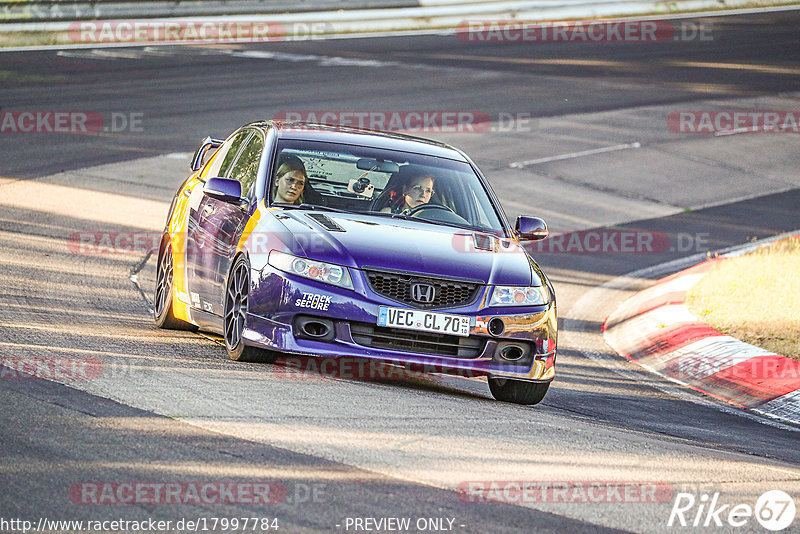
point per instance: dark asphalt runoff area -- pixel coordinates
(55, 437)
(47, 424)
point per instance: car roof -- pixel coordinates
(362, 137)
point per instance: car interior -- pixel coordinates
(346, 181)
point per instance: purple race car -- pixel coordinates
(322, 241)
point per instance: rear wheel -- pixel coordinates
(518, 391)
(162, 303)
(237, 294)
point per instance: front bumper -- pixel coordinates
(279, 303)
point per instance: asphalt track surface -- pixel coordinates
(170, 407)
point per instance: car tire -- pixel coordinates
(237, 292)
(162, 300)
(518, 391)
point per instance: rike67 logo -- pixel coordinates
(774, 510)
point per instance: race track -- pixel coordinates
(162, 406)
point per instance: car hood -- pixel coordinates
(369, 241)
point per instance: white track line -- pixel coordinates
(528, 162)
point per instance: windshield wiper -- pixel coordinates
(391, 215)
(313, 207)
(405, 217)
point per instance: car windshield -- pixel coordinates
(338, 177)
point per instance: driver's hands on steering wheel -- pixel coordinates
(413, 211)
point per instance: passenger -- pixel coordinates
(290, 180)
(416, 190)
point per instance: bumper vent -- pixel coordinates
(381, 337)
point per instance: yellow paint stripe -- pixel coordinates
(179, 280)
(177, 228)
(736, 66)
(617, 64)
(251, 225)
(530, 61)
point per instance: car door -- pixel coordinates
(224, 222)
(200, 241)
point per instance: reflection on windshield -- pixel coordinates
(346, 178)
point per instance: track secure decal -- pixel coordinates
(313, 301)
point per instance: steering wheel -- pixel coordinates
(414, 211)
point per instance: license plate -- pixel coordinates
(441, 323)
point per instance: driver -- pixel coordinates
(416, 191)
(290, 179)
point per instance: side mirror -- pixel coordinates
(531, 228)
(224, 189)
(200, 154)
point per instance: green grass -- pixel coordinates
(755, 297)
(11, 76)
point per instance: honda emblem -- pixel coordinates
(423, 293)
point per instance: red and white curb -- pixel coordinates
(656, 330)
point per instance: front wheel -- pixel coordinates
(237, 294)
(518, 391)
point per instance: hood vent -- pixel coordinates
(325, 221)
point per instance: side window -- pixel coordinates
(483, 220)
(225, 154)
(246, 167)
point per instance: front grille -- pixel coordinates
(382, 337)
(447, 293)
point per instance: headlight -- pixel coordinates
(519, 296)
(314, 270)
